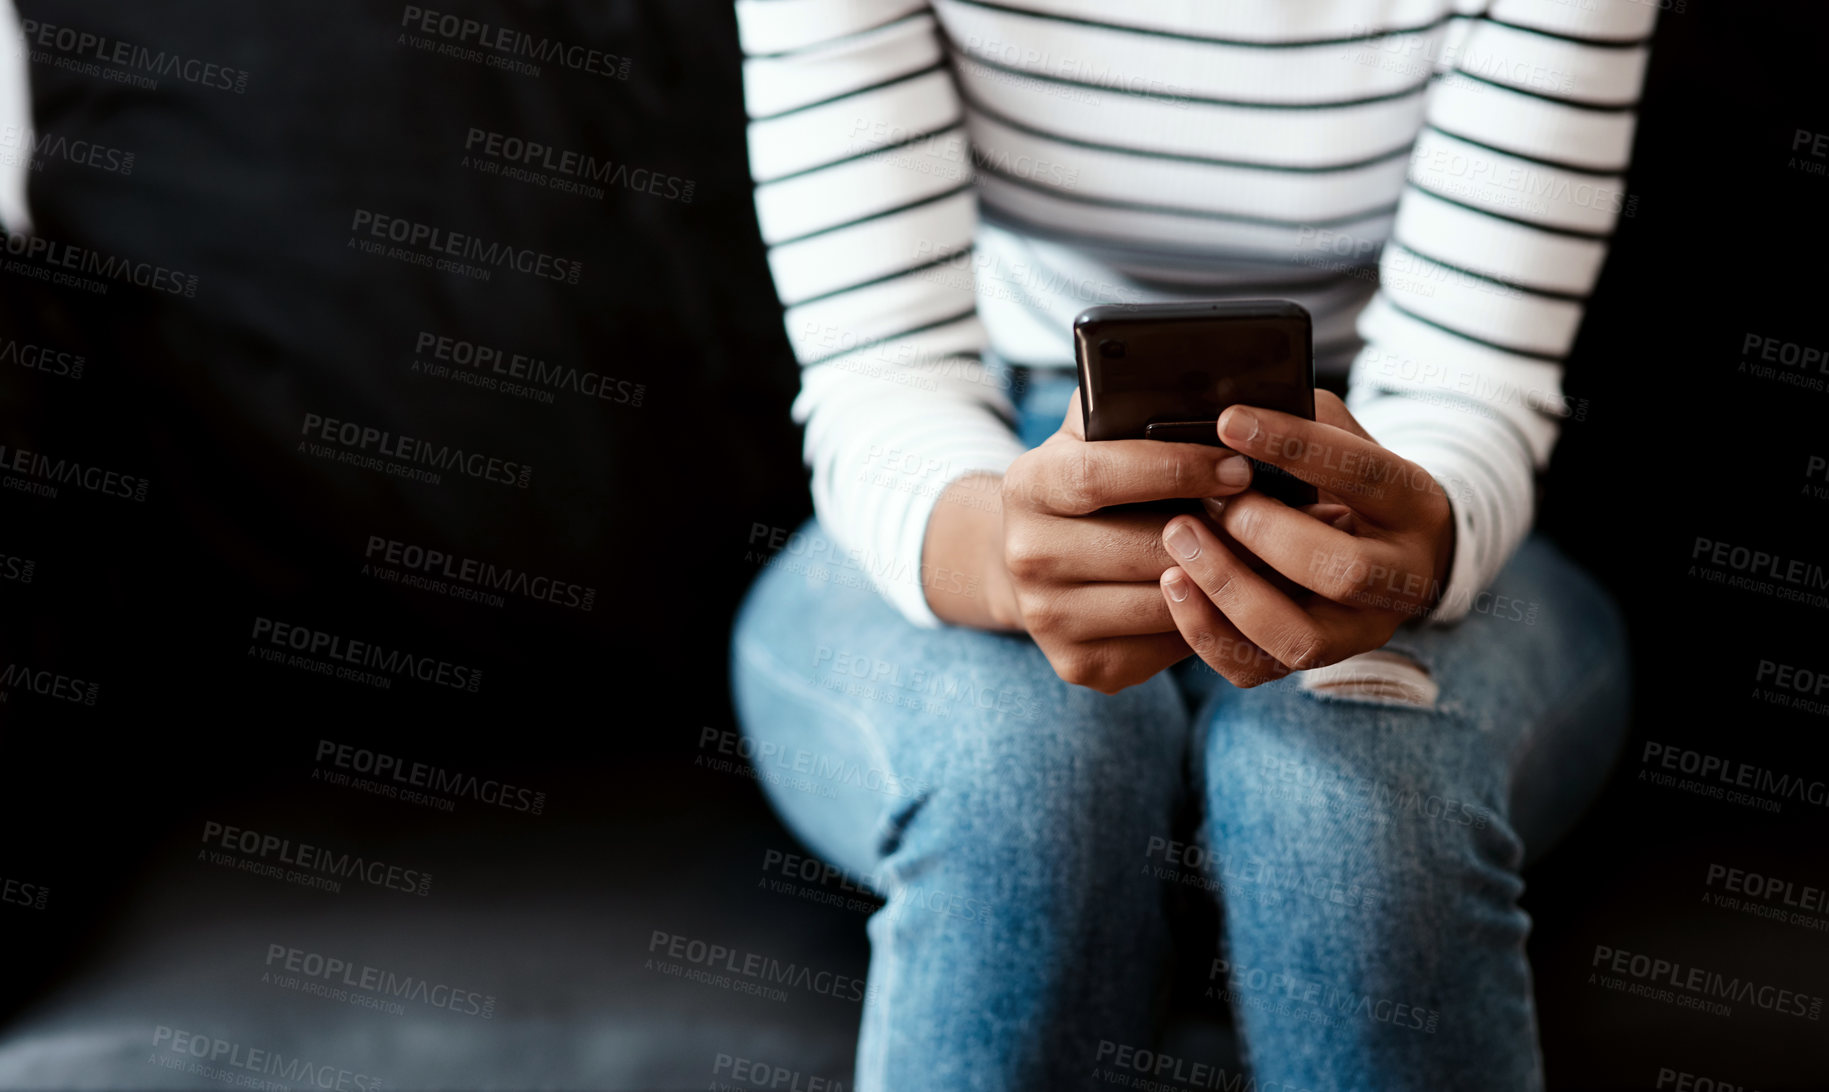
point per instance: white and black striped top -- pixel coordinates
(943, 185)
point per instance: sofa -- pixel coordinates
(205, 738)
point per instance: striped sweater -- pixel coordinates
(943, 185)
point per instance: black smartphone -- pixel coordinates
(1165, 371)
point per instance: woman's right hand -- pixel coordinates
(1080, 580)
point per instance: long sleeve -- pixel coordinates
(857, 147)
(1516, 183)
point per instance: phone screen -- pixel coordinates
(1166, 371)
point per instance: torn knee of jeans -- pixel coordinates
(1381, 677)
(894, 824)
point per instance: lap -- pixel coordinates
(868, 715)
(1532, 690)
(834, 679)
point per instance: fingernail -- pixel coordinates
(1239, 427)
(1177, 587)
(1235, 470)
(1183, 541)
(1215, 506)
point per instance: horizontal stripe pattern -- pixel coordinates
(1229, 131)
(1266, 23)
(766, 27)
(1171, 66)
(1435, 180)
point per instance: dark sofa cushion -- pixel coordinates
(256, 193)
(295, 179)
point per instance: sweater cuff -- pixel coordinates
(1465, 578)
(904, 582)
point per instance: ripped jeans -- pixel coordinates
(1026, 833)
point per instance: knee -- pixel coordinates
(803, 585)
(1062, 787)
(1371, 809)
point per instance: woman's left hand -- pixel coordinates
(1373, 554)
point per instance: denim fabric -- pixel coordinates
(1026, 833)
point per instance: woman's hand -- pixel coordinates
(1081, 580)
(1379, 559)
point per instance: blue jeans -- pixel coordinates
(1026, 833)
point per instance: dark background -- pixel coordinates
(657, 508)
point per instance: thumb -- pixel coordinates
(1074, 423)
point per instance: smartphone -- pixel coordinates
(1164, 371)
